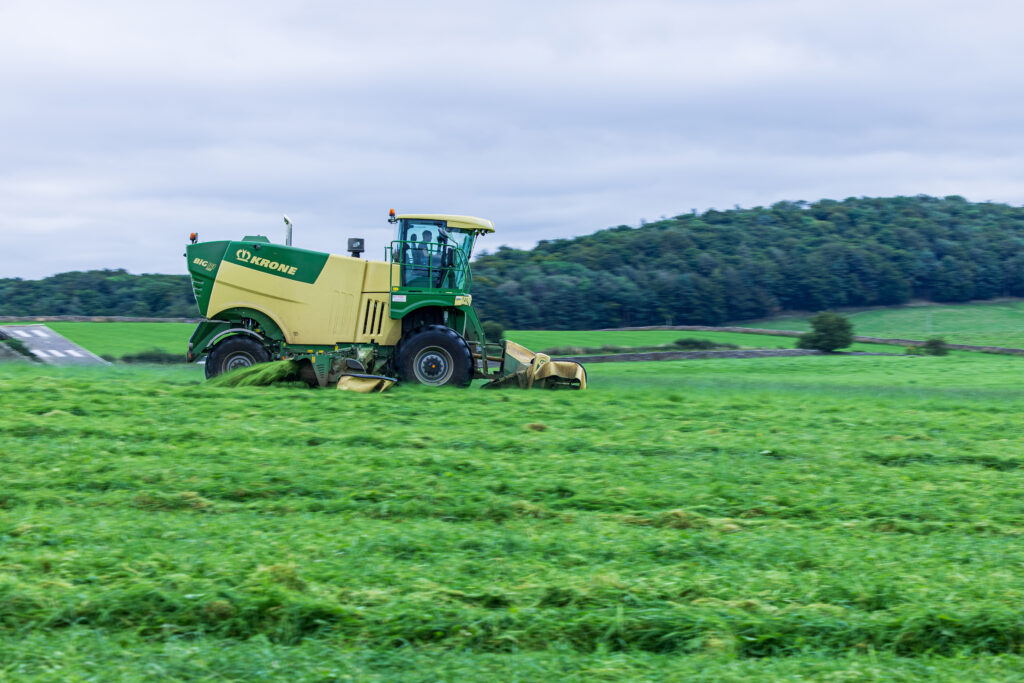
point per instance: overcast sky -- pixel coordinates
(124, 126)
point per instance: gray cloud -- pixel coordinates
(125, 126)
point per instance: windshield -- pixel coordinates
(425, 248)
(431, 232)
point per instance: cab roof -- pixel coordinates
(457, 222)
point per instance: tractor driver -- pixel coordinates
(402, 254)
(416, 254)
(421, 254)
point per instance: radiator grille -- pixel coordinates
(373, 317)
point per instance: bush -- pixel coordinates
(936, 346)
(831, 331)
(492, 330)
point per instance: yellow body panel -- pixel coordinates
(347, 303)
(378, 276)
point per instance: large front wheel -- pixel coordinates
(435, 355)
(235, 352)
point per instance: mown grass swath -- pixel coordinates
(767, 518)
(261, 374)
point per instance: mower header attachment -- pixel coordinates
(525, 369)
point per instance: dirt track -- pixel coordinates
(696, 355)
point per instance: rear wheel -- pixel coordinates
(435, 355)
(235, 352)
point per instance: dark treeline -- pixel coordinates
(692, 269)
(749, 263)
(99, 292)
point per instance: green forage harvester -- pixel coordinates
(327, 317)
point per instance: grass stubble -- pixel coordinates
(824, 518)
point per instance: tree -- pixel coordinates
(935, 346)
(691, 269)
(830, 331)
(953, 281)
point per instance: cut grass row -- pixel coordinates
(766, 517)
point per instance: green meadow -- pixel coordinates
(120, 339)
(539, 340)
(996, 324)
(982, 324)
(820, 518)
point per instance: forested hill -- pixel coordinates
(692, 269)
(748, 263)
(99, 292)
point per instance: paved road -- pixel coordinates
(50, 347)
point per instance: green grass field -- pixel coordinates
(119, 339)
(997, 324)
(821, 518)
(538, 340)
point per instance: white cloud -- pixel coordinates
(125, 126)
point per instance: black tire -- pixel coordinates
(434, 355)
(237, 351)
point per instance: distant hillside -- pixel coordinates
(99, 292)
(750, 263)
(692, 269)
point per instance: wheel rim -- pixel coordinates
(238, 359)
(433, 365)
